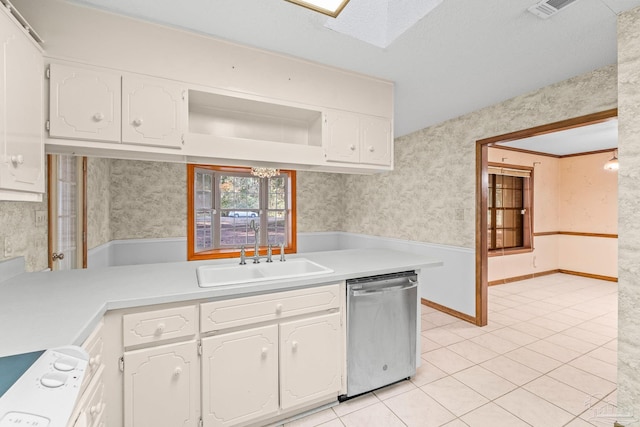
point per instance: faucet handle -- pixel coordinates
(282, 252)
(269, 253)
(243, 255)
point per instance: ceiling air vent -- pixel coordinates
(547, 8)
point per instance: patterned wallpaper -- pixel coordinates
(148, 200)
(320, 202)
(98, 201)
(18, 224)
(430, 196)
(629, 212)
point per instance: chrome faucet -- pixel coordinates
(256, 249)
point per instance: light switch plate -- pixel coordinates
(41, 218)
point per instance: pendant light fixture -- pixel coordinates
(612, 164)
(265, 172)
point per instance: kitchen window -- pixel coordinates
(510, 216)
(223, 201)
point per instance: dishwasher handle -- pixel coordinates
(412, 285)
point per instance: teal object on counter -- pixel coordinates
(12, 368)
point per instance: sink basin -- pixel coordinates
(223, 275)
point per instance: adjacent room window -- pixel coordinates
(510, 215)
(224, 201)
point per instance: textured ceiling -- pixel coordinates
(462, 56)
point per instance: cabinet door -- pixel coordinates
(310, 360)
(240, 376)
(152, 112)
(84, 104)
(375, 141)
(21, 124)
(342, 137)
(161, 386)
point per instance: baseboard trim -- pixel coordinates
(449, 311)
(590, 276)
(523, 277)
(546, 273)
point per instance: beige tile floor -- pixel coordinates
(547, 358)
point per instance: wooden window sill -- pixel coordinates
(515, 251)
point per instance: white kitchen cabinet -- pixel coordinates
(357, 138)
(95, 104)
(252, 371)
(240, 376)
(310, 364)
(153, 112)
(21, 125)
(161, 386)
(84, 103)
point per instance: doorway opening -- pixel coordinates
(483, 208)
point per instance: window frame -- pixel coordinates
(527, 228)
(232, 252)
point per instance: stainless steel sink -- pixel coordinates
(224, 275)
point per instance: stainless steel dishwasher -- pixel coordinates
(381, 330)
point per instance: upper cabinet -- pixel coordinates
(198, 99)
(356, 138)
(152, 112)
(21, 125)
(84, 104)
(101, 105)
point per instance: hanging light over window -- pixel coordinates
(265, 172)
(612, 164)
(331, 8)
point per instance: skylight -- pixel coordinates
(328, 7)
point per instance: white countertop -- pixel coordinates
(50, 309)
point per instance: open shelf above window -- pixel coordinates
(230, 117)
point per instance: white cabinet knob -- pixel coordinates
(352, 147)
(177, 372)
(98, 117)
(279, 308)
(95, 409)
(17, 160)
(94, 361)
(265, 350)
(294, 346)
(137, 122)
(371, 148)
(160, 328)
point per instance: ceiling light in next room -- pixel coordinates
(328, 7)
(612, 164)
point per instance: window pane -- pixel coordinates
(239, 192)
(203, 189)
(499, 218)
(277, 196)
(204, 230)
(235, 231)
(276, 233)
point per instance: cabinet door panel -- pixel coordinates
(343, 136)
(376, 141)
(152, 112)
(161, 386)
(240, 376)
(310, 365)
(21, 124)
(84, 104)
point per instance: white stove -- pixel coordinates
(46, 393)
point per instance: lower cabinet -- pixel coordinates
(243, 381)
(161, 386)
(310, 368)
(249, 361)
(240, 376)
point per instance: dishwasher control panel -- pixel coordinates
(45, 395)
